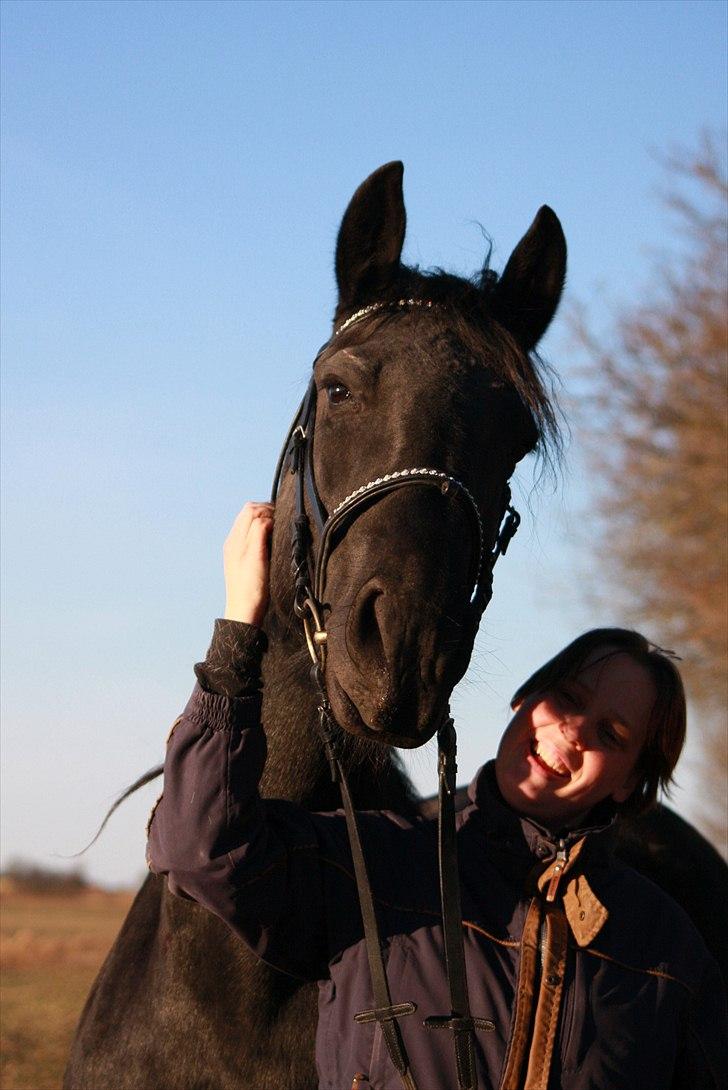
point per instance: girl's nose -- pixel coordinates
(574, 729)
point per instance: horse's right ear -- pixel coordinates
(370, 238)
(525, 298)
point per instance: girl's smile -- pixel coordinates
(546, 759)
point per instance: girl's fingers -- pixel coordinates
(250, 513)
(247, 563)
(259, 535)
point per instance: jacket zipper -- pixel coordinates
(551, 889)
(561, 860)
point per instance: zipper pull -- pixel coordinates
(561, 858)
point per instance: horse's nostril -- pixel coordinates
(365, 632)
(367, 613)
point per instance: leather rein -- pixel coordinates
(309, 570)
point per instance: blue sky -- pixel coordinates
(173, 179)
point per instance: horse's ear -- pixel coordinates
(525, 298)
(370, 238)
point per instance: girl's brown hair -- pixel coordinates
(666, 727)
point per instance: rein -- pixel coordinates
(310, 583)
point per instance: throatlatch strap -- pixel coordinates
(384, 1011)
(459, 1021)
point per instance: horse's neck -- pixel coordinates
(296, 768)
(293, 767)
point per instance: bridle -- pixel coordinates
(309, 570)
(310, 574)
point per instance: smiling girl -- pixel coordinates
(582, 974)
(603, 719)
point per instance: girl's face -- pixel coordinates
(569, 748)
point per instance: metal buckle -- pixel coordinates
(316, 634)
(298, 438)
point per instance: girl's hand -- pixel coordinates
(246, 556)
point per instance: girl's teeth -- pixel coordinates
(552, 763)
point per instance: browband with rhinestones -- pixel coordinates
(380, 306)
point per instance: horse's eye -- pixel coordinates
(337, 393)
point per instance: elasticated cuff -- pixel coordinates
(223, 713)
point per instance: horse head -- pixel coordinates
(424, 370)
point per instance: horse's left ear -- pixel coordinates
(525, 298)
(370, 238)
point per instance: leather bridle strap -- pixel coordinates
(384, 1011)
(459, 1021)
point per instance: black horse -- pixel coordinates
(451, 381)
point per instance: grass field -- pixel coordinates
(51, 947)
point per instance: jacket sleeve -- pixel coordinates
(254, 863)
(702, 1062)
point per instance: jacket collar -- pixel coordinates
(533, 851)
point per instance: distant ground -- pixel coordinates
(51, 947)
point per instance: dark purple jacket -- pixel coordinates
(607, 986)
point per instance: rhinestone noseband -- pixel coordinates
(355, 502)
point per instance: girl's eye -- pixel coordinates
(337, 393)
(609, 735)
(567, 698)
